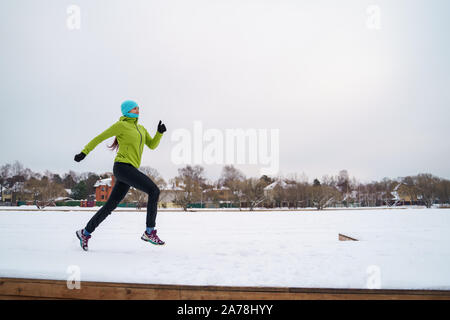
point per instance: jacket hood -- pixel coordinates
(124, 118)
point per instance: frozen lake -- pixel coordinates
(398, 249)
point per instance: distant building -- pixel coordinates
(7, 195)
(284, 194)
(103, 188)
(167, 197)
(270, 191)
(217, 197)
(402, 194)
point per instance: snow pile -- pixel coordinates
(103, 182)
(409, 247)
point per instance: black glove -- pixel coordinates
(161, 127)
(79, 157)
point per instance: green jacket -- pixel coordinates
(131, 137)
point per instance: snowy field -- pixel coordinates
(409, 247)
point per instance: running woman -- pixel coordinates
(130, 138)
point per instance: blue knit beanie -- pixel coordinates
(127, 106)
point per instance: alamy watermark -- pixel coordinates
(73, 21)
(374, 277)
(74, 278)
(229, 146)
(373, 21)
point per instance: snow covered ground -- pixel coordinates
(407, 249)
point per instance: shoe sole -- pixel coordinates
(156, 244)
(80, 241)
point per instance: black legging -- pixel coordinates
(127, 175)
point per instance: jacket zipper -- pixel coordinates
(141, 137)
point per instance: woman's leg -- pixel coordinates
(135, 178)
(118, 192)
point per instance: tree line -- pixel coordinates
(192, 186)
(296, 192)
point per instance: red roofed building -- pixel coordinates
(103, 188)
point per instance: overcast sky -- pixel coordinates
(344, 96)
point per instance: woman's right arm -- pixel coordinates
(111, 131)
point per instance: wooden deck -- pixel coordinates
(16, 288)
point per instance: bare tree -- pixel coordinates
(444, 191)
(323, 195)
(137, 196)
(35, 187)
(5, 172)
(253, 191)
(410, 188)
(48, 174)
(279, 194)
(90, 181)
(330, 180)
(57, 178)
(232, 178)
(17, 168)
(343, 181)
(27, 173)
(427, 187)
(190, 180)
(209, 192)
(16, 185)
(387, 186)
(50, 192)
(299, 194)
(75, 176)
(44, 191)
(69, 181)
(291, 194)
(140, 197)
(153, 174)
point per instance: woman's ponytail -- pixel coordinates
(115, 144)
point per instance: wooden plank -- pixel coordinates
(11, 288)
(343, 237)
(58, 289)
(27, 298)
